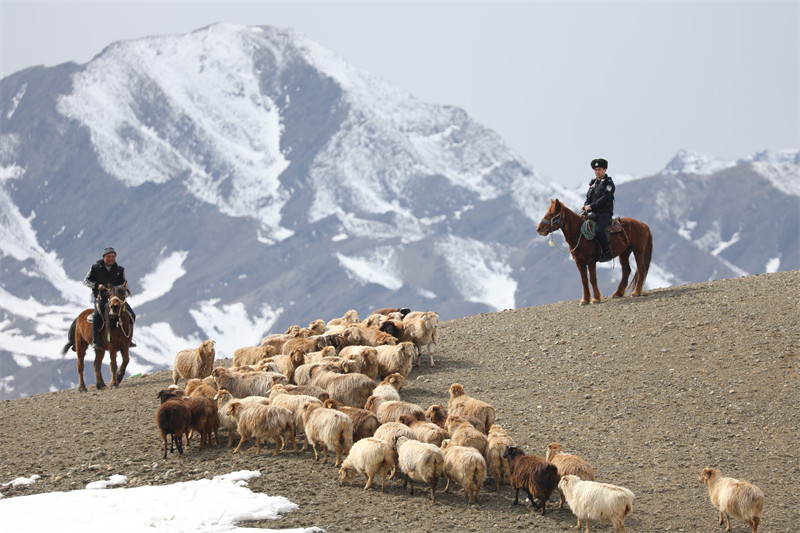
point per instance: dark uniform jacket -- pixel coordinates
(601, 195)
(100, 275)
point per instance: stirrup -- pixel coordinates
(605, 257)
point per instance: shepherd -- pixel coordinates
(103, 274)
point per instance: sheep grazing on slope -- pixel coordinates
(460, 404)
(368, 456)
(197, 387)
(419, 461)
(330, 428)
(251, 355)
(466, 466)
(389, 432)
(389, 389)
(425, 431)
(174, 419)
(423, 330)
(462, 433)
(295, 404)
(365, 423)
(287, 364)
(601, 502)
(376, 337)
(734, 497)
(438, 415)
(568, 464)
(350, 389)
(350, 317)
(205, 420)
(395, 359)
(262, 421)
(498, 440)
(390, 410)
(241, 385)
(534, 475)
(194, 363)
(228, 422)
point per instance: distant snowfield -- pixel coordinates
(206, 506)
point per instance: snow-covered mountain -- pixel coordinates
(250, 180)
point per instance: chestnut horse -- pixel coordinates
(116, 337)
(635, 237)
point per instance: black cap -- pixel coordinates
(109, 250)
(601, 163)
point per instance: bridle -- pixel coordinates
(554, 222)
(115, 306)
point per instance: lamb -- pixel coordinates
(533, 474)
(601, 502)
(251, 355)
(228, 422)
(365, 423)
(193, 363)
(423, 328)
(262, 421)
(734, 497)
(462, 433)
(425, 431)
(389, 410)
(368, 456)
(247, 384)
(568, 464)
(498, 440)
(460, 404)
(294, 403)
(438, 415)
(465, 465)
(205, 420)
(419, 461)
(350, 389)
(174, 419)
(330, 428)
(389, 389)
(395, 359)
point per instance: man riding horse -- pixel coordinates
(103, 274)
(599, 205)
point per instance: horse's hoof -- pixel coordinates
(83, 389)
(101, 386)
(583, 302)
(596, 301)
(615, 295)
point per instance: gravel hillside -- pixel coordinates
(648, 390)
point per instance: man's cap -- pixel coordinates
(599, 163)
(108, 250)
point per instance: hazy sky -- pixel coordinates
(562, 82)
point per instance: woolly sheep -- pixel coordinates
(533, 474)
(194, 363)
(365, 423)
(438, 415)
(262, 421)
(350, 317)
(419, 461)
(462, 433)
(241, 385)
(389, 432)
(395, 359)
(174, 419)
(389, 388)
(497, 442)
(460, 404)
(197, 387)
(734, 497)
(600, 502)
(251, 355)
(368, 456)
(423, 329)
(466, 466)
(389, 410)
(330, 428)
(350, 389)
(227, 421)
(568, 464)
(294, 403)
(425, 431)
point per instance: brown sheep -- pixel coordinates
(734, 497)
(532, 473)
(365, 423)
(309, 390)
(462, 433)
(376, 337)
(390, 410)
(227, 421)
(460, 405)
(438, 415)
(389, 388)
(251, 355)
(568, 464)
(330, 428)
(196, 387)
(194, 363)
(423, 328)
(465, 465)
(241, 385)
(350, 317)
(425, 431)
(262, 421)
(174, 419)
(350, 389)
(498, 440)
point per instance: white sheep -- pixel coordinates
(350, 389)
(568, 463)
(424, 430)
(368, 456)
(194, 363)
(460, 404)
(734, 497)
(294, 403)
(391, 410)
(389, 389)
(330, 428)
(262, 421)
(241, 385)
(601, 502)
(228, 422)
(465, 465)
(420, 461)
(423, 330)
(389, 432)
(395, 359)
(497, 442)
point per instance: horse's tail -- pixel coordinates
(648, 255)
(71, 337)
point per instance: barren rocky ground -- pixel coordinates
(649, 390)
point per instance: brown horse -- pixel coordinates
(635, 237)
(117, 333)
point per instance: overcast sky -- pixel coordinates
(562, 82)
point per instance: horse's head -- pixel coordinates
(552, 220)
(116, 300)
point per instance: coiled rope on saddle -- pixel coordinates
(589, 229)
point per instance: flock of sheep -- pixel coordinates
(338, 384)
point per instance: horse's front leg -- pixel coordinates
(626, 272)
(81, 354)
(112, 364)
(584, 280)
(98, 368)
(595, 289)
(125, 359)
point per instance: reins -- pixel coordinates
(120, 322)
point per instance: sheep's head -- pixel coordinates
(234, 408)
(566, 481)
(436, 414)
(169, 394)
(553, 449)
(512, 451)
(346, 474)
(395, 380)
(406, 419)
(222, 397)
(277, 389)
(219, 371)
(456, 390)
(317, 326)
(707, 476)
(330, 403)
(372, 403)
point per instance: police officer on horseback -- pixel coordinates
(103, 274)
(599, 205)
